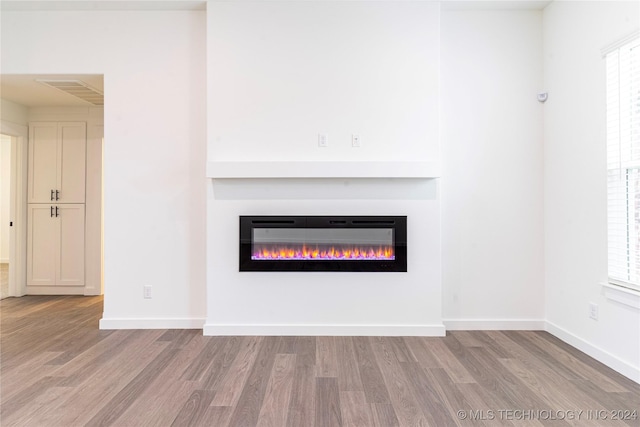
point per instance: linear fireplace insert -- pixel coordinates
(323, 243)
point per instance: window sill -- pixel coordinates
(622, 295)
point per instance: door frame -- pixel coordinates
(18, 207)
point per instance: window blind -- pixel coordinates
(623, 163)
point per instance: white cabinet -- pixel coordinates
(55, 245)
(57, 162)
(56, 210)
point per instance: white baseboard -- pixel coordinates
(624, 368)
(494, 324)
(152, 323)
(212, 329)
(91, 291)
(4, 260)
(55, 290)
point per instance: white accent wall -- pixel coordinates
(575, 181)
(280, 73)
(154, 71)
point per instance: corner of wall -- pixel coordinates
(575, 183)
(14, 113)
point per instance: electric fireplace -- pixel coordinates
(323, 243)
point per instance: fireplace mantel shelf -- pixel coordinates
(321, 169)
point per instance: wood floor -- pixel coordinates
(58, 369)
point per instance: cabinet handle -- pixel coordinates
(57, 212)
(51, 194)
(51, 214)
(57, 195)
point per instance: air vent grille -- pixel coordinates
(78, 89)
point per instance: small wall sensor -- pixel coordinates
(542, 97)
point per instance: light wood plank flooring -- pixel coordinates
(58, 369)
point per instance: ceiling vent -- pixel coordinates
(78, 89)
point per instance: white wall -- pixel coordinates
(575, 180)
(12, 112)
(13, 122)
(324, 303)
(153, 65)
(283, 72)
(492, 169)
(5, 192)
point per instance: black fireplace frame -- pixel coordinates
(398, 223)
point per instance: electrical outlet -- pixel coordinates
(593, 311)
(146, 290)
(355, 141)
(323, 140)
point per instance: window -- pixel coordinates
(623, 162)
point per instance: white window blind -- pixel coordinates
(623, 163)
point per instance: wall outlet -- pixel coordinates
(323, 140)
(146, 291)
(355, 141)
(593, 311)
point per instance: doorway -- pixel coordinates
(13, 142)
(29, 99)
(5, 209)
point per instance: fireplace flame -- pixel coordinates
(274, 252)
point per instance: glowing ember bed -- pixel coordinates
(323, 243)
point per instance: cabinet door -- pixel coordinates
(57, 162)
(71, 249)
(43, 161)
(72, 151)
(42, 245)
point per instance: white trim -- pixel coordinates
(494, 324)
(92, 5)
(494, 4)
(622, 295)
(152, 323)
(4, 260)
(18, 234)
(322, 169)
(619, 43)
(211, 329)
(55, 290)
(621, 284)
(92, 291)
(625, 368)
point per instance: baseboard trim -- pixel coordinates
(618, 365)
(494, 324)
(212, 329)
(55, 290)
(4, 260)
(152, 323)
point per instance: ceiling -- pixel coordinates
(25, 89)
(94, 5)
